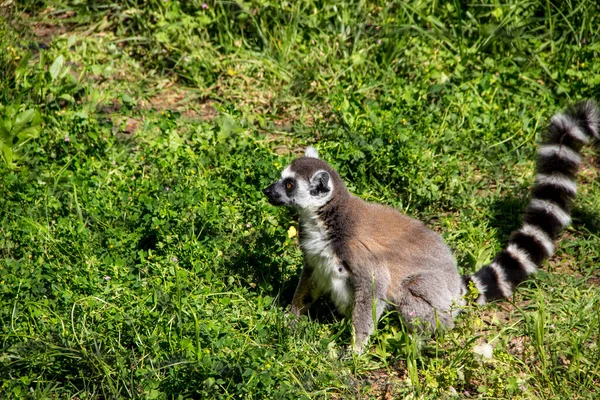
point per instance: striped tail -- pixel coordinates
(547, 213)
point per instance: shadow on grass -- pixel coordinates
(586, 220)
(506, 215)
(262, 265)
(266, 261)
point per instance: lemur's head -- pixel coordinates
(307, 183)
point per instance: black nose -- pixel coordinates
(273, 195)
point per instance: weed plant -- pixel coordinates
(139, 259)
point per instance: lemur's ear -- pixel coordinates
(320, 183)
(311, 152)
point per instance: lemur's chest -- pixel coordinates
(329, 274)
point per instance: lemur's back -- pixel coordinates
(405, 244)
(417, 260)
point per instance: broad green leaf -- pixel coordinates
(56, 67)
(7, 125)
(71, 41)
(67, 97)
(11, 110)
(81, 114)
(4, 130)
(126, 99)
(22, 119)
(37, 118)
(7, 154)
(28, 133)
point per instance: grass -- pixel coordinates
(139, 258)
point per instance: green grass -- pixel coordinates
(139, 258)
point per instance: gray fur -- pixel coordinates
(364, 254)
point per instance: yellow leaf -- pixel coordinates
(291, 232)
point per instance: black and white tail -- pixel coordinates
(547, 213)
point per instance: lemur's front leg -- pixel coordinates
(369, 304)
(306, 292)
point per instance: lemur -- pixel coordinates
(369, 256)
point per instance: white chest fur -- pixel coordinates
(329, 274)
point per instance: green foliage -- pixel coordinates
(138, 257)
(16, 129)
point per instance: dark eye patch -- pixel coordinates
(289, 185)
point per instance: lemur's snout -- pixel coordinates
(269, 191)
(273, 195)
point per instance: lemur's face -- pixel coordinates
(305, 184)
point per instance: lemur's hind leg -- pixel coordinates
(424, 309)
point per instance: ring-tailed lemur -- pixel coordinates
(368, 256)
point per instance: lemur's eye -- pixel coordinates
(289, 185)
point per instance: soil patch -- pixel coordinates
(188, 103)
